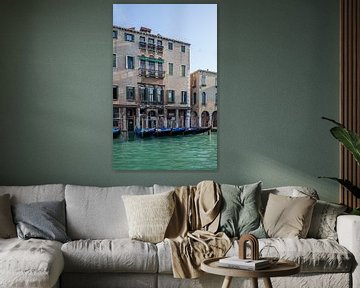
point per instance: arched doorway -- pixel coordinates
(214, 119)
(205, 118)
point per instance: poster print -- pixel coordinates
(164, 87)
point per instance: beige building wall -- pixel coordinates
(204, 113)
(156, 114)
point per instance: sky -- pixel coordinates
(191, 23)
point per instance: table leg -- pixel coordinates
(254, 282)
(267, 283)
(227, 282)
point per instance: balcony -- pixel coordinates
(142, 45)
(151, 103)
(159, 48)
(151, 47)
(151, 73)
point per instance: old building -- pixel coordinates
(151, 80)
(204, 98)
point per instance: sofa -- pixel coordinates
(100, 253)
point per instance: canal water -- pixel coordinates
(190, 152)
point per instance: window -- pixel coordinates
(130, 62)
(203, 98)
(194, 98)
(115, 34)
(160, 67)
(130, 93)
(142, 64)
(115, 92)
(151, 41)
(142, 93)
(129, 37)
(114, 60)
(216, 82)
(216, 98)
(142, 38)
(183, 48)
(160, 95)
(171, 96)
(171, 69)
(203, 80)
(183, 97)
(159, 42)
(170, 46)
(183, 70)
(151, 94)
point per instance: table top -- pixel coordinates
(281, 268)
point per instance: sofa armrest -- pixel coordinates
(348, 230)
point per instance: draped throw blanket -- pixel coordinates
(191, 231)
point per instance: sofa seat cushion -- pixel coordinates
(313, 255)
(115, 255)
(30, 263)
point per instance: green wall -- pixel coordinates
(278, 74)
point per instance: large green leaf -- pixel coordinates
(349, 139)
(347, 184)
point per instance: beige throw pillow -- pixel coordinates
(288, 217)
(149, 215)
(7, 226)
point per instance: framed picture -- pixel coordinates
(165, 87)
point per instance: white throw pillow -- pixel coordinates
(149, 215)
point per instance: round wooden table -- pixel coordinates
(281, 268)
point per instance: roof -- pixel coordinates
(132, 30)
(204, 71)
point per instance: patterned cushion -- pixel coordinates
(323, 221)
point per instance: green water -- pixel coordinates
(191, 152)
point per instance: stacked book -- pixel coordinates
(248, 264)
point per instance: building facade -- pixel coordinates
(204, 98)
(151, 80)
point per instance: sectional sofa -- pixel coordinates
(100, 253)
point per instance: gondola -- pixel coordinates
(116, 132)
(177, 131)
(162, 132)
(145, 133)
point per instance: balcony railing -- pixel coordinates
(142, 45)
(152, 102)
(151, 73)
(151, 47)
(159, 48)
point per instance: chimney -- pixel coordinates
(145, 29)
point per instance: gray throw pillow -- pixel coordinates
(44, 220)
(240, 213)
(323, 222)
(7, 227)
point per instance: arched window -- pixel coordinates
(203, 98)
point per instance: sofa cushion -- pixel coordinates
(313, 255)
(7, 226)
(149, 215)
(98, 213)
(43, 220)
(323, 222)
(36, 193)
(287, 216)
(30, 263)
(240, 210)
(117, 255)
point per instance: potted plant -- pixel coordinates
(351, 141)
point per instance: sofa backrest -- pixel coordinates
(98, 212)
(36, 193)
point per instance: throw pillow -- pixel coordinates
(323, 222)
(288, 217)
(149, 215)
(240, 213)
(44, 220)
(7, 227)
